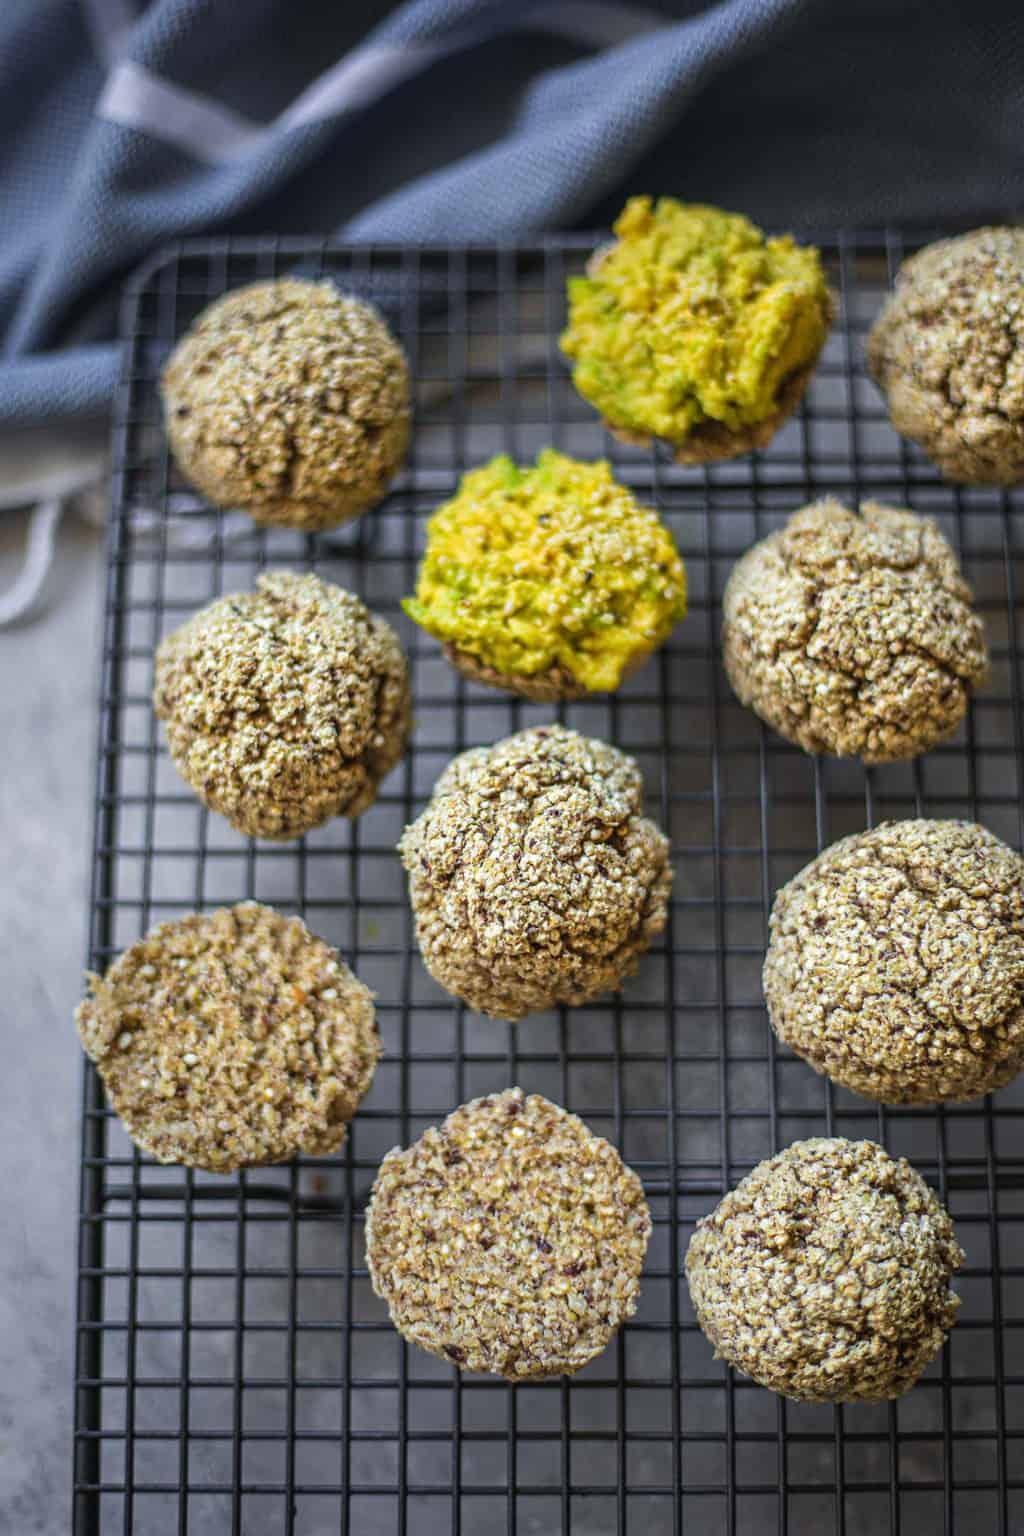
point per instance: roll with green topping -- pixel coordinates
(694, 328)
(550, 580)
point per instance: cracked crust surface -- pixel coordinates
(896, 962)
(825, 1274)
(284, 706)
(231, 1040)
(534, 878)
(509, 1239)
(290, 400)
(854, 634)
(947, 351)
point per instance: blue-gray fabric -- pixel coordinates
(125, 125)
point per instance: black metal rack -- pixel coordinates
(234, 1371)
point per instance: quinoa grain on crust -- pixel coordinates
(854, 634)
(534, 878)
(947, 352)
(284, 706)
(896, 962)
(231, 1039)
(509, 1239)
(291, 400)
(825, 1274)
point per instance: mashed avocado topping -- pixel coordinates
(556, 563)
(693, 316)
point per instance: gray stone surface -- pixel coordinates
(48, 672)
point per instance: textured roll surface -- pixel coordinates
(947, 352)
(231, 1040)
(509, 1239)
(284, 706)
(290, 400)
(533, 875)
(854, 634)
(896, 962)
(825, 1274)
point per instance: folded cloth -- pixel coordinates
(126, 125)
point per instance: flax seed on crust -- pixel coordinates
(825, 1274)
(854, 634)
(947, 352)
(284, 706)
(896, 962)
(509, 1239)
(291, 400)
(534, 877)
(231, 1039)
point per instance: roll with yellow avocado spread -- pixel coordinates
(550, 580)
(694, 328)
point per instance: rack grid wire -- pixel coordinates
(234, 1372)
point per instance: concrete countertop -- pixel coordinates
(48, 683)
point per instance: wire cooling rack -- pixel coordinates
(234, 1371)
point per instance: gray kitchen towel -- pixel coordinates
(125, 125)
